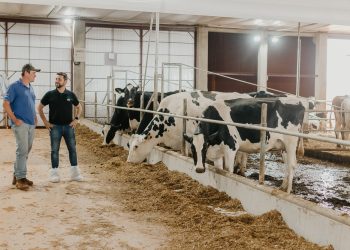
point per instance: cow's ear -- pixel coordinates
(213, 137)
(119, 90)
(188, 138)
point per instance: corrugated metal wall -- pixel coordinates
(46, 46)
(174, 47)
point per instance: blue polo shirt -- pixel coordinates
(22, 101)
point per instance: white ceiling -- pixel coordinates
(131, 14)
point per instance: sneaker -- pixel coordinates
(54, 177)
(75, 174)
(22, 184)
(14, 181)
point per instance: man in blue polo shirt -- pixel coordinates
(19, 104)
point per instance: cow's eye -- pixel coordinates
(128, 145)
(136, 147)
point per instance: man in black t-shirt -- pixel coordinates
(61, 124)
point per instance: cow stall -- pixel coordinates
(304, 217)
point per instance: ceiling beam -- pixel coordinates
(311, 11)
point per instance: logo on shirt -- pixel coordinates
(68, 99)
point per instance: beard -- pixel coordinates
(58, 85)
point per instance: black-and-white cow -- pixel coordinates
(123, 120)
(120, 118)
(168, 129)
(282, 114)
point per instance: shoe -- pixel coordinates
(22, 184)
(30, 183)
(54, 177)
(75, 174)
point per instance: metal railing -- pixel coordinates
(256, 127)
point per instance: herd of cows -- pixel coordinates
(227, 146)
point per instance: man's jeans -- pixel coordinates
(24, 140)
(56, 133)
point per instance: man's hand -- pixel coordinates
(18, 122)
(48, 125)
(74, 123)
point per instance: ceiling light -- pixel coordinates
(258, 22)
(277, 23)
(275, 39)
(257, 38)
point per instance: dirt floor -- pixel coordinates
(125, 206)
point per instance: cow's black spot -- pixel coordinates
(195, 95)
(170, 121)
(209, 95)
(155, 127)
(195, 102)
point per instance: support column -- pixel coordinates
(202, 58)
(78, 84)
(262, 63)
(321, 67)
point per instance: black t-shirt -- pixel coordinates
(60, 106)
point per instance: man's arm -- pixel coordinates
(77, 113)
(8, 110)
(77, 110)
(42, 116)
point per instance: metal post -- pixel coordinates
(155, 100)
(145, 75)
(162, 83)
(108, 97)
(95, 118)
(262, 144)
(180, 78)
(113, 95)
(297, 92)
(183, 148)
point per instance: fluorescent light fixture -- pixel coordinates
(257, 38)
(275, 39)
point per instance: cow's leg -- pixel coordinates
(291, 164)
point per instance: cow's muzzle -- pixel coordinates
(130, 103)
(200, 170)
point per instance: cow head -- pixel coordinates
(120, 118)
(139, 148)
(105, 130)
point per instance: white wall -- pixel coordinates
(338, 67)
(46, 46)
(174, 47)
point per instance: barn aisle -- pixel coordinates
(67, 214)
